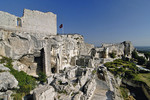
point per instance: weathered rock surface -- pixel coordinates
(89, 89)
(67, 60)
(121, 49)
(7, 81)
(3, 68)
(107, 87)
(74, 83)
(45, 92)
(6, 95)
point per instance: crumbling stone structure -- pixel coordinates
(31, 41)
(32, 21)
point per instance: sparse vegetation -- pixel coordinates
(122, 68)
(93, 72)
(63, 91)
(127, 70)
(146, 53)
(134, 54)
(74, 84)
(141, 60)
(124, 91)
(143, 77)
(42, 77)
(148, 65)
(60, 82)
(25, 82)
(112, 54)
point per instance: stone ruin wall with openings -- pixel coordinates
(32, 21)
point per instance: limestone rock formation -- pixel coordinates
(71, 65)
(73, 84)
(45, 92)
(7, 81)
(120, 49)
(3, 68)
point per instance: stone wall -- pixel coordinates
(40, 22)
(66, 49)
(120, 49)
(31, 22)
(7, 20)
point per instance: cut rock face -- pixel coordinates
(45, 92)
(7, 81)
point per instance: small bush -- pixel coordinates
(42, 77)
(141, 60)
(93, 72)
(113, 54)
(18, 96)
(122, 68)
(134, 54)
(148, 65)
(63, 91)
(129, 74)
(124, 92)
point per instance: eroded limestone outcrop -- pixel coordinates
(7, 81)
(69, 63)
(71, 85)
(45, 92)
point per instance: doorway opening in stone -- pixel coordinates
(19, 23)
(40, 60)
(54, 70)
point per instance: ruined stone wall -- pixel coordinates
(36, 22)
(39, 21)
(66, 49)
(120, 49)
(7, 20)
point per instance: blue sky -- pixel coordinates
(99, 21)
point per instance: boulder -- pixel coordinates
(7, 81)
(78, 96)
(3, 68)
(6, 95)
(71, 73)
(45, 92)
(89, 88)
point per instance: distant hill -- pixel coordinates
(143, 48)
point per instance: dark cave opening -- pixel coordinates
(40, 60)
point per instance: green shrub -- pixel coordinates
(42, 77)
(26, 82)
(147, 55)
(120, 67)
(93, 72)
(141, 60)
(134, 54)
(63, 91)
(129, 74)
(148, 65)
(124, 92)
(113, 54)
(18, 96)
